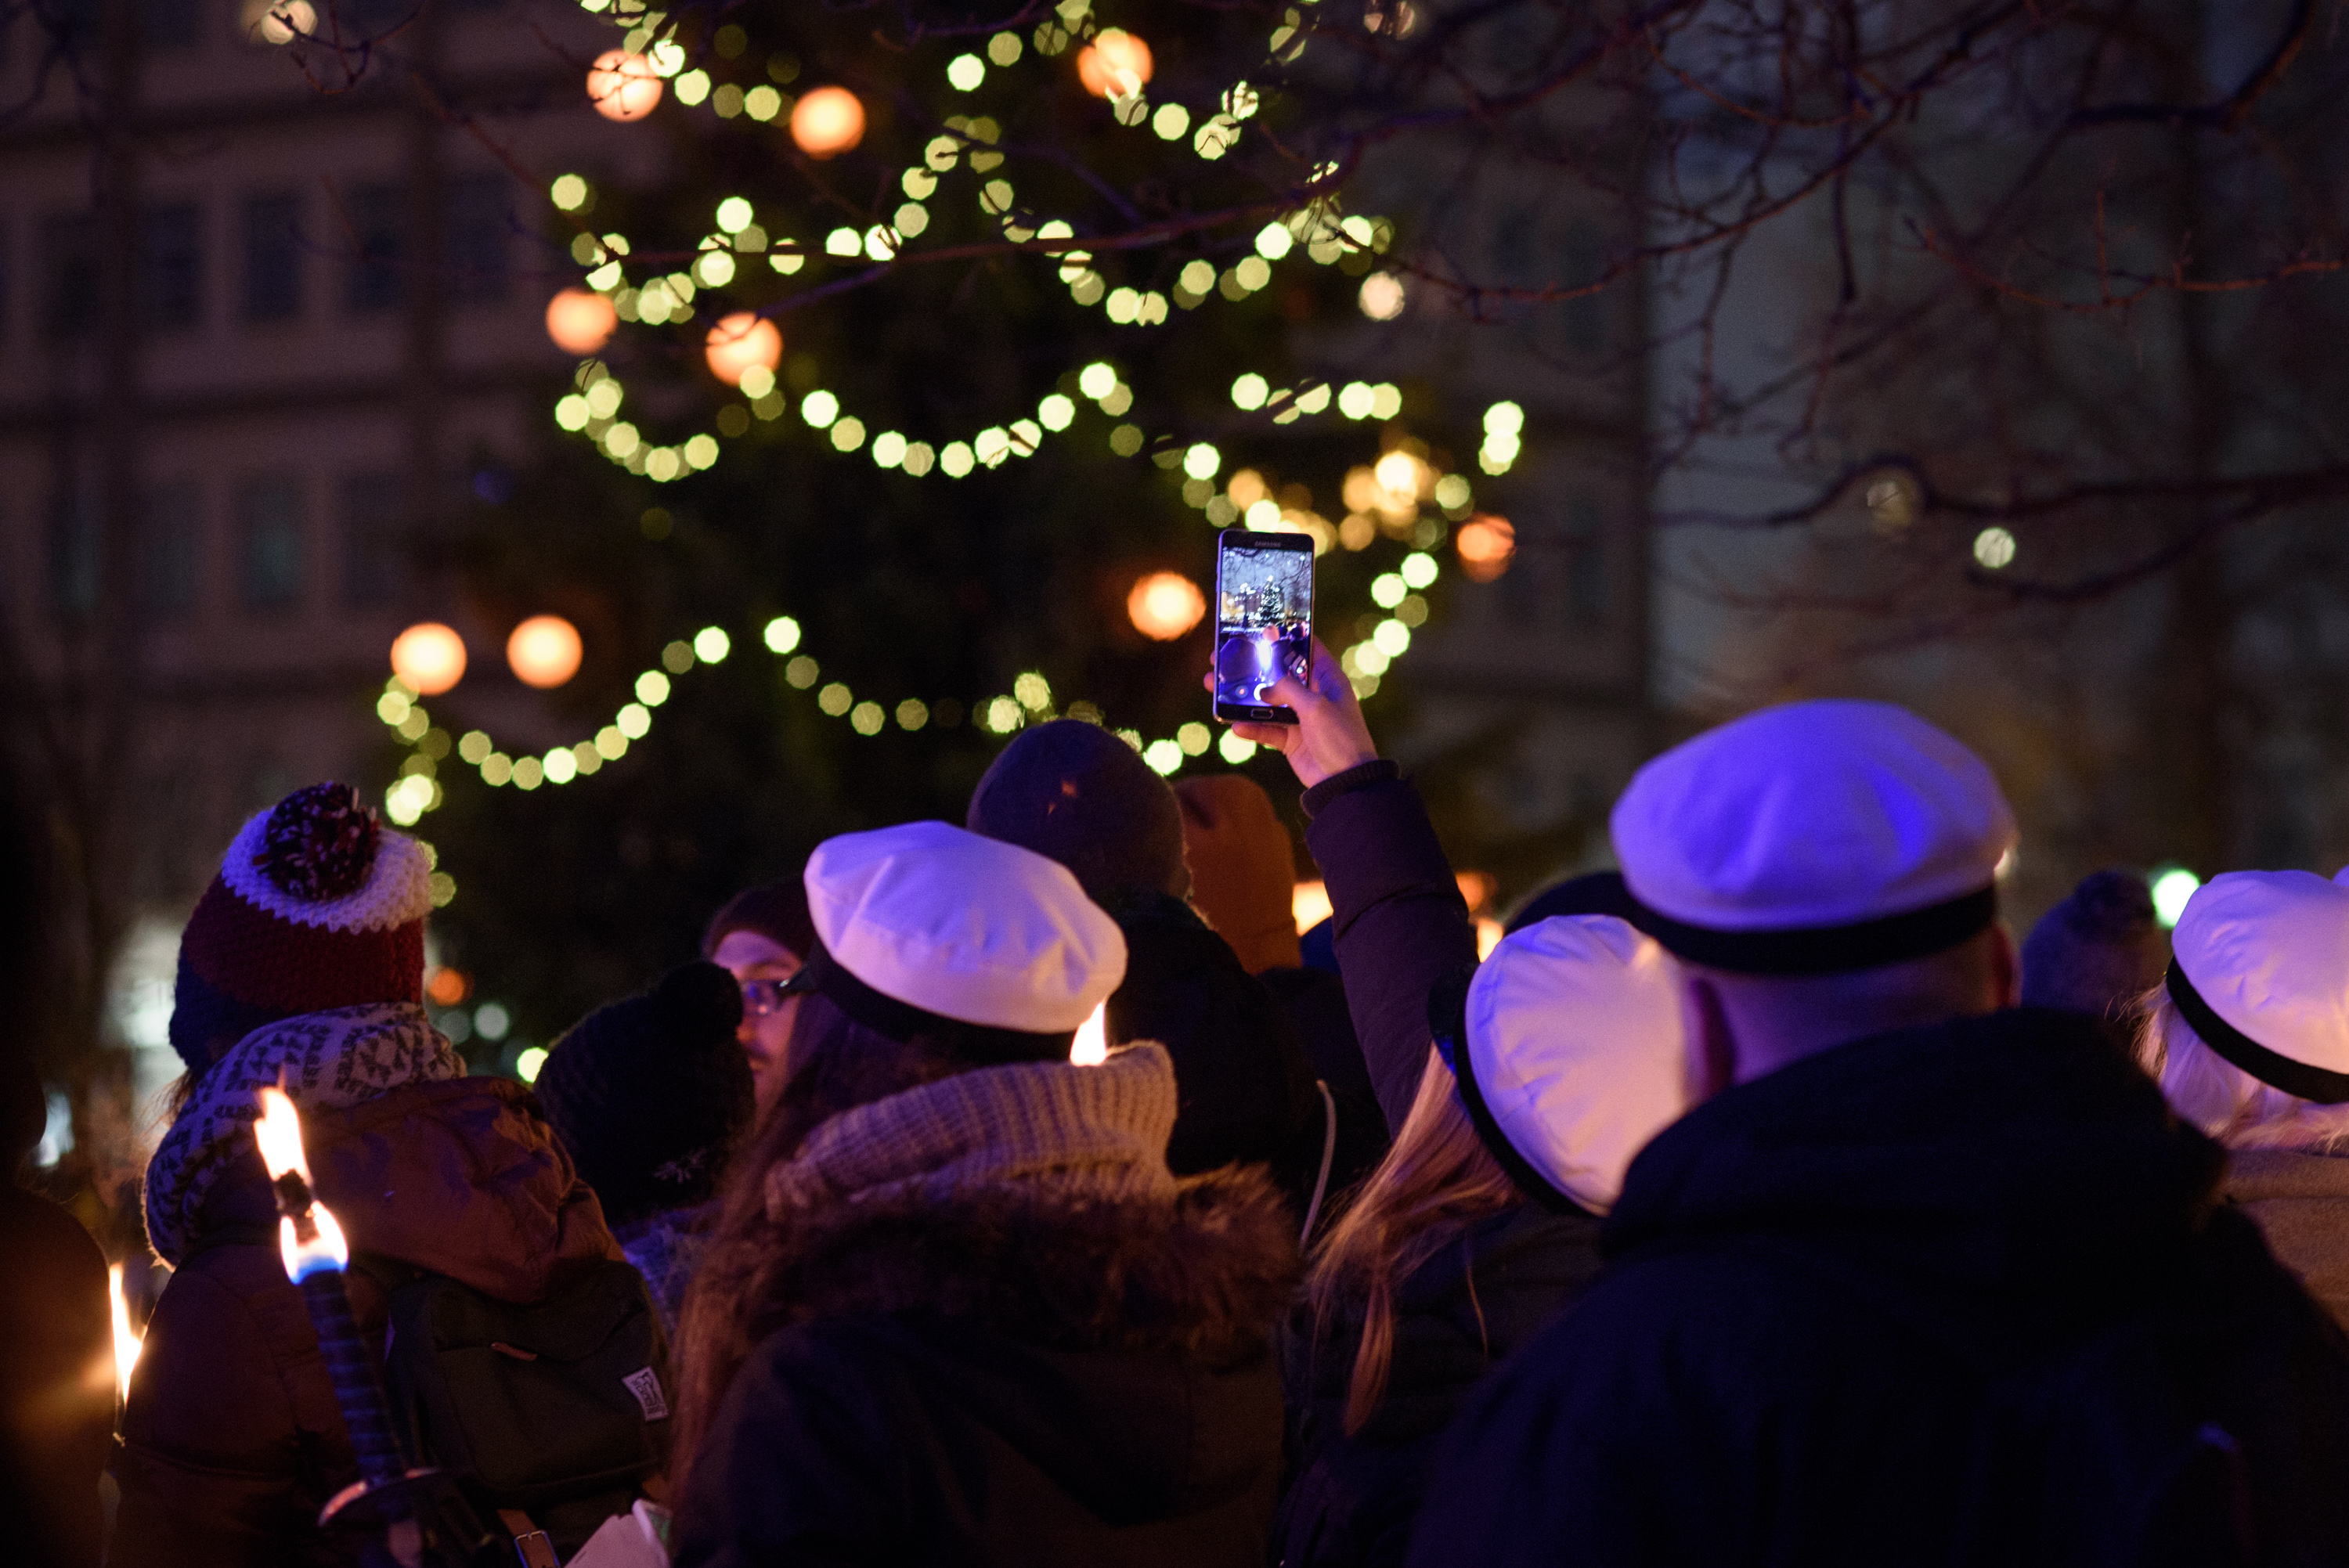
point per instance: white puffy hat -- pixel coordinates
(1571, 1053)
(1812, 839)
(926, 918)
(2261, 971)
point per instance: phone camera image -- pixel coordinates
(1264, 621)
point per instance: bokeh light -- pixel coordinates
(429, 658)
(1485, 545)
(827, 122)
(2172, 886)
(543, 651)
(1115, 65)
(279, 21)
(623, 85)
(1165, 604)
(1382, 297)
(581, 321)
(740, 342)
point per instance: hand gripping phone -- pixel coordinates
(1264, 621)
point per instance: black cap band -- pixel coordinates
(1828, 949)
(2319, 1086)
(1447, 1020)
(901, 1021)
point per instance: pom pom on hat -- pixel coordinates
(1576, 1054)
(1814, 837)
(649, 1092)
(965, 927)
(316, 906)
(2261, 973)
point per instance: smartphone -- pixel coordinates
(1264, 621)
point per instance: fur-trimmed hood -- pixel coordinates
(1206, 1272)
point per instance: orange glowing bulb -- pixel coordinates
(623, 85)
(739, 341)
(1485, 545)
(429, 658)
(581, 321)
(1115, 65)
(1164, 605)
(827, 122)
(543, 651)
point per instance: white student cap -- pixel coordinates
(970, 928)
(1812, 839)
(2261, 971)
(1571, 1055)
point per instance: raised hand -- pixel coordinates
(1329, 736)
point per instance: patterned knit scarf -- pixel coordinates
(1097, 1131)
(337, 1057)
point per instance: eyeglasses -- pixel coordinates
(760, 997)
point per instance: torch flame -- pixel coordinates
(279, 1131)
(126, 1340)
(322, 1250)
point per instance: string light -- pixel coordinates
(581, 321)
(543, 651)
(429, 657)
(827, 122)
(623, 85)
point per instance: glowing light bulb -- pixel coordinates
(2171, 888)
(581, 321)
(1115, 65)
(543, 651)
(623, 85)
(429, 658)
(740, 342)
(1164, 605)
(827, 122)
(1485, 545)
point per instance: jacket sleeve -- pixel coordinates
(797, 1467)
(1399, 922)
(228, 1437)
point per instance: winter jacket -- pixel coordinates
(1247, 1093)
(2301, 1201)
(231, 1440)
(1353, 1499)
(1007, 1377)
(1401, 925)
(1852, 1314)
(666, 1248)
(56, 1381)
(1315, 1001)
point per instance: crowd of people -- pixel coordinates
(1019, 1193)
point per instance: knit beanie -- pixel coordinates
(1075, 793)
(316, 906)
(777, 910)
(1243, 868)
(2098, 950)
(648, 1092)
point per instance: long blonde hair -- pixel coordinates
(2221, 1098)
(1435, 1181)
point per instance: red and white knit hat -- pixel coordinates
(316, 906)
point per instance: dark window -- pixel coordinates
(475, 221)
(74, 553)
(273, 257)
(1584, 317)
(171, 529)
(171, 24)
(374, 562)
(269, 526)
(1586, 559)
(172, 264)
(69, 281)
(378, 223)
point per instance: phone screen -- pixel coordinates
(1264, 621)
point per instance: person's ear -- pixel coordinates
(2005, 968)
(1711, 1043)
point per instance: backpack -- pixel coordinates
(556, 1409)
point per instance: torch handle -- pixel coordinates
(357, 1387)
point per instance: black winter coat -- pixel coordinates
(1847, 1319)
(1009, 1379)
(1352, 1499)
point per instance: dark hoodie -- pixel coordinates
(1007, 1379)
(1853, 1314)
(232, 1441)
